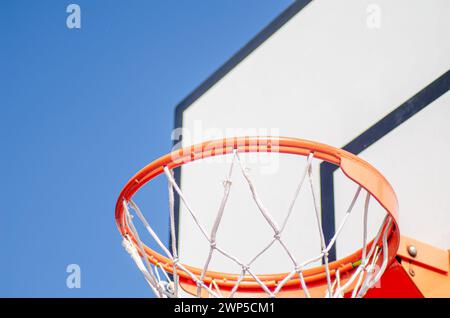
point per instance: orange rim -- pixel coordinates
(353, 167)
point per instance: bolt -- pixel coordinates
(412, 272)
(412, 250)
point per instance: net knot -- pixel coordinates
(213, 244)
(227, 183)
(128, 246)
(298, 268)
(277, 235)
(245, 268)
(175, 260)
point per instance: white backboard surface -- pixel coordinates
(369, 76)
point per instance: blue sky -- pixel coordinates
(81, 111)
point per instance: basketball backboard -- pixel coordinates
(369, 77)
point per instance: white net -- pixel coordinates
(165, 281)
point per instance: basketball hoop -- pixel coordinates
(350, 276)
